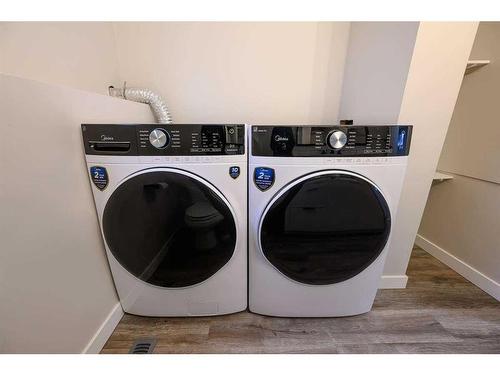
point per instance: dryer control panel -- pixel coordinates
(331, 141)
(163, 139)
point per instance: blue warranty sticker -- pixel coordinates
(263, 177)
(234, 172)
(99, 177)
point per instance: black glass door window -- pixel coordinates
(169, 229)
(326, 228)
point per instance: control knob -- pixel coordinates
(336, 139)
(159, 138)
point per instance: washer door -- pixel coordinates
(169, 228)
(325, 227)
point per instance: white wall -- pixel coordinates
(55, 281)
(460, 223)
(436, 71)
(273, 72)
(55, 286)
(378, 60)
(77, 54)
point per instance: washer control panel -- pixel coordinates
(331, 141)
(164, 139)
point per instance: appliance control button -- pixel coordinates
(336, 139)
(159, 138)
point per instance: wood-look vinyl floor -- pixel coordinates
(438, 312)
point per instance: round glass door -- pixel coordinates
(325, 228)
(169, 228)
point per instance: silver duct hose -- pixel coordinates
(146, 96)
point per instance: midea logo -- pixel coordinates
(106, 138)
(279, 138)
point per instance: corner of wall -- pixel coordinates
(475, 276)
(436, 72)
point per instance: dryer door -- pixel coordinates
(325, 227)
(169, 228)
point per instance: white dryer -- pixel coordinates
(172, 205)
(322, 201)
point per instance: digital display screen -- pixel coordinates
(401, 140)
(208, 139)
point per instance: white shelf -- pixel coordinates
(438, 176)
(473, 65)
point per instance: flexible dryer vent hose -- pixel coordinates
(146, 96)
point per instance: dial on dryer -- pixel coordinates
(336, 139)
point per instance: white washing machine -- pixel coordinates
(322, 202)
(172, 206)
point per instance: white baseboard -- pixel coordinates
(490, 286)
(393, 282)
(105, 330)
